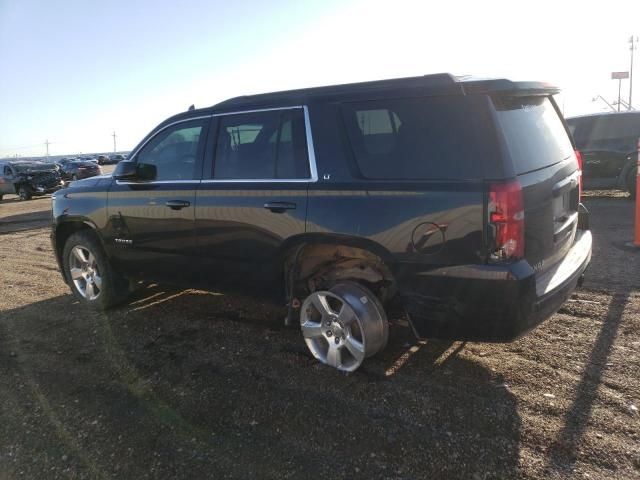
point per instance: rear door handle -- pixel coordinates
(177, 204)
(279, 207)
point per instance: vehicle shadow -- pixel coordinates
(25, 221)
(564, 451)
(191, 384)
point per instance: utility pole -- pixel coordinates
(47, 143)
(632, 40)
(114, 141)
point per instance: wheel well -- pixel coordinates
(64, 231)
(319, 266)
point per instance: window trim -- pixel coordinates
(311, 156)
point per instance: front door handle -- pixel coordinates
(177, 204)
(279, 207)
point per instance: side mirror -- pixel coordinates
(125, 171)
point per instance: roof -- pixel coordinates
(434, 84)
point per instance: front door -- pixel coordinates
(253, 201)
(151, 218)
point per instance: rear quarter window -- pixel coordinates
(533, 131)
(434, 138)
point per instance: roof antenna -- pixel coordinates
(192, 107)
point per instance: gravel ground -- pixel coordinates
(193, 384)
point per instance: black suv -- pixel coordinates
(608, 143)
(457, 199)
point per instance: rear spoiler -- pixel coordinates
(507, 87)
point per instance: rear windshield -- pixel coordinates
(444, 138)
(533, 131)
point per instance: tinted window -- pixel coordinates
(425, 138)
(262, 145)
(605, 127)
(172, 153)
(533, 131)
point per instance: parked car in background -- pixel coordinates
(110, 159)
(460, 199)
(608, 143)
(76, 169)
(28, 179)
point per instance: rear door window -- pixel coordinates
(434, 138)
(533, 132)
(262, 145)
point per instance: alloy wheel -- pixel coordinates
(84, 272)
(343, 326)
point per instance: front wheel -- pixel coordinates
(91, 277)
(24, 192)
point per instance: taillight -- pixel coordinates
(579, 159)
(506, 215)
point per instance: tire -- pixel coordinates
(1, 197)
(84, 262)
(24, 192)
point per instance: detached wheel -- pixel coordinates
(89, 274)
(24, 193)
(344, 325)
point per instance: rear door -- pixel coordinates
(152, 217)
(253, 197)
(542, 156)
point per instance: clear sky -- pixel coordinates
(73, 71)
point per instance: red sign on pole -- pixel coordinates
(619, 75)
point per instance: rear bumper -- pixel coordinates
(491, 303)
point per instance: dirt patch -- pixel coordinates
(193, 384)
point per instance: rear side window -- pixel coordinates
(262, 145)
(420, 138)
(533, 131)
(597, 128)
